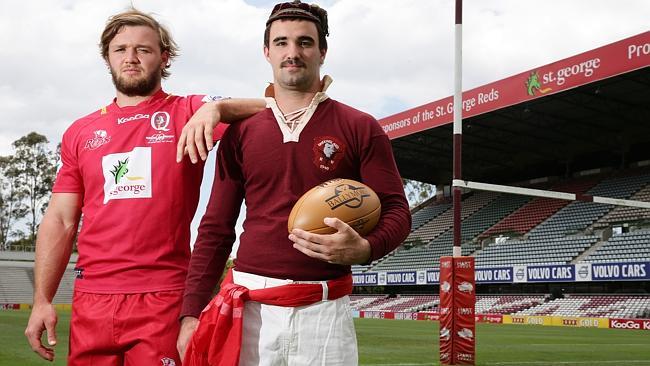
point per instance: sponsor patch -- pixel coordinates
(127, 175)
(212, 98)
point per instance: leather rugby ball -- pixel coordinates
(348, 200)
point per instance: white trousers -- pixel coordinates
(318, 334)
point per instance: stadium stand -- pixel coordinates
(17, 284)
(624, 214)
(561, 237)
(427, 213)
(619, 306)
(401, 303)
(632, 246)
(538, 210)
(593, 306)
(422, 256)
(506, 304)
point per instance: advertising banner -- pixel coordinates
(489, 318)
(446, 308)
(464, 300)
(580, 322)
(617, 58)
(630, 324)
(561, 273)
(580, 272)
(620, 271)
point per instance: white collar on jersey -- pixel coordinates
(293, 134)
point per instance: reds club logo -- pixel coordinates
(328, 151)
(100, 137)
(160, 121)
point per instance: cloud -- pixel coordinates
(385, 55)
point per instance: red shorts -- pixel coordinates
(125, 329)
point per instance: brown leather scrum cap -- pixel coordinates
(297, 9)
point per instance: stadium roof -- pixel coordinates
(588, 111)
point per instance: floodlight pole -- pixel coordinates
(458, 127)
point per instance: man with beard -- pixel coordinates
(137, 206)
(285, 302)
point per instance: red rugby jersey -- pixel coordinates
(137, 201)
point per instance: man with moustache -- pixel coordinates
(137, 206)
(285, 302)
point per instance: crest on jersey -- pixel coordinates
(100, 137)
(160, 121)
(328, 152)
(166, 361)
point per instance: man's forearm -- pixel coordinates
(53, 249)
(239, 108)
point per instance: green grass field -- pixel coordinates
(414, 343)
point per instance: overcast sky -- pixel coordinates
(385, 55)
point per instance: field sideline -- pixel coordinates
(414, 343)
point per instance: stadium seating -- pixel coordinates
(624, 214)
(623, 306)
(560, 239)
(481, 211)
(401, 303)
(427, 213)
(593, 306)
(632, 246)
(17, 285)
(506, 304)
(538, 210)
(538, 251)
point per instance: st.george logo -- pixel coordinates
(127, 175)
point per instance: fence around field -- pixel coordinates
(558, 321)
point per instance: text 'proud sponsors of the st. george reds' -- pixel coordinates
(607, 61)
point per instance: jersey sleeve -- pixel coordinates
(196, 101)
(68, 178)
(379, 171)
(216, 233)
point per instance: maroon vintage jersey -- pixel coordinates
(259, 162)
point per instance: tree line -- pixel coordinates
(26, 179)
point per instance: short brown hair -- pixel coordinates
(133, 17)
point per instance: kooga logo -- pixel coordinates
(132, 118)
(630, 324)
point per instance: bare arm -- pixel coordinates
(196, 137)
(53, 248)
